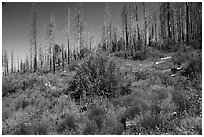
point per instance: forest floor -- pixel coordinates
(154, 102)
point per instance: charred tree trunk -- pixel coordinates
(62, 57)
(54, 58)
(145, 31)
(168, 20)
(50, 58)
(187, 24)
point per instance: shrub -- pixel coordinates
(179, 58)
(161, 99)
(13, 83)
(120, 54)
(194, 67)
(195, 44)
(41, 128)
(168, 45)
(106, 118)
(179, 82)
(21, 102)
(141, 75)
(20, 122)
(195, 98)
(96, 112)
(159, 92)
(137, 107)
(73, 65)
(124, 88)
(112, 126)
(23, 129)
(90, 129)
(192, 125)
(180, 100)
(68, 123)
(84, 53)
(188, 59)
(123, 54)
(154, 54)
(155, 108)
(158, 44)
(150, 121)
(191, 81)
(43, 71)
(9, 85)
(124, 101)
(31, 128)
(97, 115)
(139, 55)
(30, 82)
(6, 113)
(95, 76)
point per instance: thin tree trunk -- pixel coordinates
(145, 31)
(54, 58)
(187, 31)
(126, 32)
(68, 27)
(168, 20)
(50, 59)
(35, 57)
(11, 62)
(62, 57)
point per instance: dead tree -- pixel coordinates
(34, 34)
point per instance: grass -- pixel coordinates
(116, 94)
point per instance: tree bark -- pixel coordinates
(187, 30)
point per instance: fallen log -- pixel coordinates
(165, 58)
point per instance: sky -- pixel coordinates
(16, 22)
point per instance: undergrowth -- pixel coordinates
(96, 76)
(96, 98)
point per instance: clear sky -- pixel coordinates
(16, 20)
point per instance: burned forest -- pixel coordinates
(102, 68)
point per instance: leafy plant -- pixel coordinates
(150, 121)
(23, 129)
(90, 129)
(96, 76)
(6, 113)
(68, 123)
(137, 107)
(159, 92)
(181, 100)
(9, 86)
(41, 128)
(97, 114)
(192, 125)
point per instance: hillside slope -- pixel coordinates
(149, 101)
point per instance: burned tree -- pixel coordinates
(79, 28)
(33, 32)
(51, 29)
(11, 62)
